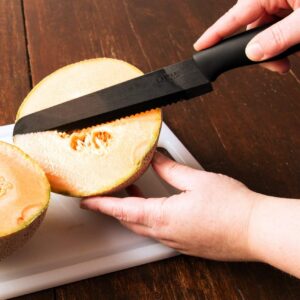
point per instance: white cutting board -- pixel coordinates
(74, 244)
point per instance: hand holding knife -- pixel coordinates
(180, 81)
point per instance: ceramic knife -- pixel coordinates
(180, 81)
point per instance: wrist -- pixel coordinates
(260, 223)
(253, 226)
(274, 233)
(250, 247)
(239, 227)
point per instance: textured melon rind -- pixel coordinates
(14, 241)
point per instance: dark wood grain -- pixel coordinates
(14, 75)
(42, 295)
(248, 128)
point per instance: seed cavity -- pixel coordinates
(4, 186)
(100, 138)
(91, 139)
(78, 141)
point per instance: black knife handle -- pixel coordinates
(230, 54)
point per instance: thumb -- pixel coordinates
(179, 176)
(276, 39)
(130, 209)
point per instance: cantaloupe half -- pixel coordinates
(96, 160)
(24, 198)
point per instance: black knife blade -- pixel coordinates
(183, 80)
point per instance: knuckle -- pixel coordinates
(136, 215)
(119, 213)
(142, 232)
(159, 213)
(153, 233)
(234, 13)
(156, 234)
(278, 36)
(232, 17)
(140, 216)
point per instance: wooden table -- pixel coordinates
(248, 128)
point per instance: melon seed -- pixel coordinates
(88, 139)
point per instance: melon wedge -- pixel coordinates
(97, 160)
(24, 198)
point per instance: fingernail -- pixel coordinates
(158, 157)
(254, 52)
(87, 203)
(83, 205)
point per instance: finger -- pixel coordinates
(263, 19)
(148, 212)
(241, 14)
(179, 176)
(282, 13)
(147, 232)
(140, 229)
(152, 233)
(281, 66)
(275, 39)
(134, 191)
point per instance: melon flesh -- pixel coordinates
(24, 197)
(96, 160)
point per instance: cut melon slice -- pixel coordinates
(24, 198)
(96, 160)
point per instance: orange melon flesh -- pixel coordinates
(24, 197)
(95, 160)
